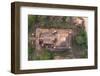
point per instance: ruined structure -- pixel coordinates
(53, 39)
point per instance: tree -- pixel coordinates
(81, 39)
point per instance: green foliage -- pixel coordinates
(80, 43)
(30, 50)
(48, 22)
(30, 53)
(47, 54)
(31, 21)
(81, 39)
(84, 55)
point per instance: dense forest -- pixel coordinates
(79, 39)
